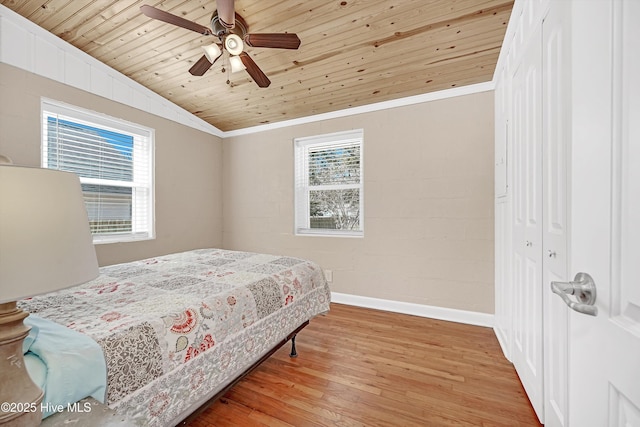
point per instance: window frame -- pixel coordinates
(141, 135)
(302, 188)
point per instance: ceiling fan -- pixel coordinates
(232, 33)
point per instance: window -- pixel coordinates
(114, 160)
(328, 187)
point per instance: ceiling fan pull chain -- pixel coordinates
(228, 71)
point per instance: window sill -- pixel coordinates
(329, 233)
(122, 239)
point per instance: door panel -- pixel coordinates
(503, 291)
(623, 328)
(527, 227)
(556, 99)
(626, 289)
(556, 359)
(623, 412)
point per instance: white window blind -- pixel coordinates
(328, 184)
(114, 160)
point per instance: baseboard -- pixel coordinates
(440, 313)
(502, 340)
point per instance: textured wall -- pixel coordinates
(188, 180)
(428, 212)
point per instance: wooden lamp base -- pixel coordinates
(20, 398)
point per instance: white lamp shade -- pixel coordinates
(45, 240)
(236, 64)
(233, 44)
(212, 52)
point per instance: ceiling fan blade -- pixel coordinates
(254, 71)
(275, 40)
(170, 18)
(226, 13)
(201, 66)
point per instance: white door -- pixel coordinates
(604, 351)
(527, 227)
(556, 125)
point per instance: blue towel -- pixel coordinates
(75, 364)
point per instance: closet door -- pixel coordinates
(527, 227)
(502, 212)
(556, 121)
(604, 367)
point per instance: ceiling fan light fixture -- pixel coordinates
(231, 30)
(233, 44)
(236, 64)
(212, 52)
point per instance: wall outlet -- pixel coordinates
(328, 275)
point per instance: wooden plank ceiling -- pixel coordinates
(353, 52)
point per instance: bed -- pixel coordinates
(175, 330)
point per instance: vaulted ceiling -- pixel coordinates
(353, 52)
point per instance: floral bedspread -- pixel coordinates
(175, 328)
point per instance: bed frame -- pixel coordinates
(292, 337)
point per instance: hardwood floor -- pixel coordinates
(362, 367)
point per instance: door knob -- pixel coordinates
(583, 288)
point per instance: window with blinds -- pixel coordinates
(328, 184)
(114, 160)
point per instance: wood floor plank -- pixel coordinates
(363, 367)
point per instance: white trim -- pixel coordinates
(93, 118)
(143, 146)
(303, 147)
(400, 102)
(323, 232)
(507, 41)
(502, 340)
(433, 312)
(336, 139)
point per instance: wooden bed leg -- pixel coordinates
(293, 347)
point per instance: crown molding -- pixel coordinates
(378, 106)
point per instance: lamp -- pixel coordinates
(236, 64)
(45, 245)
(212, 52)
(233, 44)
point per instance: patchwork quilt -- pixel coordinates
(175, 329)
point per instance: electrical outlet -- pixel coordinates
(328, 275)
